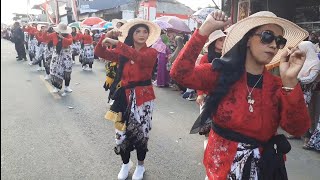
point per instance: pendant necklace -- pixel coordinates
(250, 97)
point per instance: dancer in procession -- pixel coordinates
(246, 103)
(87, 54)
(134, 97)
(61, 63)
(32, 42)
(76, 44)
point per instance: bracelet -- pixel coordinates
(287, 89)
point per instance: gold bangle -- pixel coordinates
(287, 89)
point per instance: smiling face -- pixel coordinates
(140, 35)
(263, 53)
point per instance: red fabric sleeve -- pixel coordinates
(203, 60)
(184, 71)
(87, 39)
(295, 118)
(40, 36)
(67, 41)
(144, 58)
(103, 52)
(52, 37)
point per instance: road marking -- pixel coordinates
(50, 88)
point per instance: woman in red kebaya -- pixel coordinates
(247, 104)
(134, 100)
(32, 42)
(45, 49)
(76, 45)
(61, 63)
(42, 49)
(87, 54)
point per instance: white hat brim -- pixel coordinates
(292, 32)
(214, 37)
(66, 31)
(116, 21)
(154, 30)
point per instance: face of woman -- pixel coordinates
(219, 44)
(140, 35)
(118, 25)
(74, 30)
(86, 31)
(260, 51)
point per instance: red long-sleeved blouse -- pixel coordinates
(66, 41)
(77, 37)
(273, 107)
(203, 60)
(138, 68)
(30, 30)
(86, 39)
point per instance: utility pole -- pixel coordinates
(215, 4)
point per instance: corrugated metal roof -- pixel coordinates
(103, 4)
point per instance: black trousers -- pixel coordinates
(141, 155)
(20, 50)
(90, 64)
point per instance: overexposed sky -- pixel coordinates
(20, 6)
(195, 4)
(16, 6)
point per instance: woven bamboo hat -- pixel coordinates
(63, 29)
(292, 32)
(154, 30)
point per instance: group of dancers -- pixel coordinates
(54, 50)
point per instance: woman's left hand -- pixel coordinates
(290, 66)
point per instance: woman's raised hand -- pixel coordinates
(215, 21)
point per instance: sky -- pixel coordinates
(195, 4)
(20, 6)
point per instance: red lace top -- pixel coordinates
(203, 60)
(66, 41)
(42, 37)
(273, 107)
(77, 37)
(30, 30)
(87, 39)
(138, 68)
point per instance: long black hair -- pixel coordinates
(122, 60)
(59, 45)
(50, 44)
(231, 67)
(74, 33)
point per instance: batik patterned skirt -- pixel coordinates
(32, 47)
(48, 56)
(75, 48)
(314, 142)
(42, 53)
(138, 126)
(60, 64)
(87, 54)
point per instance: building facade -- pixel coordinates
(305, 13)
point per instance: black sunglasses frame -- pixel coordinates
(280, 40)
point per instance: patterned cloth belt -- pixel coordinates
(120, 103)
(271, 164)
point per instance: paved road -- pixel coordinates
(41, 138)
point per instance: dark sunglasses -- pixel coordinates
(267, 37)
